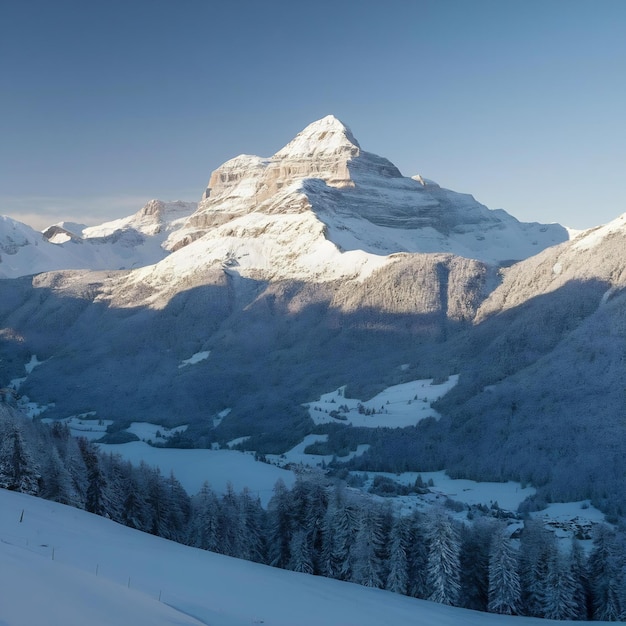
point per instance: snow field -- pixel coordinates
(192, 467)
(395, 407)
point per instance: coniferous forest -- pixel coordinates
(323, 527)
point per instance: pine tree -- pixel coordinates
(537, 549)
(73, 461)
(57, 483)
(398, 577)
(279, 526)
(580, 575)
(253, 522)
(203, 531)
(605, 564)
(134, 506)
(301, 559)
(475, 549)
(314, 523)
(368, 549)
(418, 557)
(178, 508)
(345, 525)
(443, 567)
(18, 470)
(231, 529)
(327, 564)
(560, 599)
(95, 496)
(504, 582)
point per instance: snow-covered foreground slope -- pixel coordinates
(64, 567)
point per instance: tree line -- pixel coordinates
(322, 527)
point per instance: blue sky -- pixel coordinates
(104, 105)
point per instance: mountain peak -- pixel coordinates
(324, 137)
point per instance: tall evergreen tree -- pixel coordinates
(95, 496)
(231, 527)
(345, 526)
(203, 531)
(418, 586)
(18, 470)
(504, 582)
(301, 557)
(537, 549)
(560, 600)
(582, 593)
(135, 512)
(475, 547)
(368, 549)
(254, 528)
(399, 540)
(279, 526)
(605, 568)
(443, 567)
(57, 483)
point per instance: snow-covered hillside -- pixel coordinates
(63, 567)
(134, 241)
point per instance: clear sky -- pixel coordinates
(107, 104)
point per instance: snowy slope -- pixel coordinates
(25, 251)
(64, 567)
(595, 255)
(130, 242)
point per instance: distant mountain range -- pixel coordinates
(323, 266)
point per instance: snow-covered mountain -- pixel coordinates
(322, 267)
(320, 208)
(134, 241)
(323, 208)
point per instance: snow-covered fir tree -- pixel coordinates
(369, 547)
(475, 547)
(560, 599)
(504, 582)
(443, 567)
(398, 576)
(537, 549)
(606, 564)
(18, 469)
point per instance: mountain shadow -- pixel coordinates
(270, 346)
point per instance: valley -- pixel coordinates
(320, 334)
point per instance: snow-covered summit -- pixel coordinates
(326, 136)
(323, 207)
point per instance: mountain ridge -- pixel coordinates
(339, 197)
(323, 284)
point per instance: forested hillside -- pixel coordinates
(323, 527)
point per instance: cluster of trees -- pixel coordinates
(321, 527)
